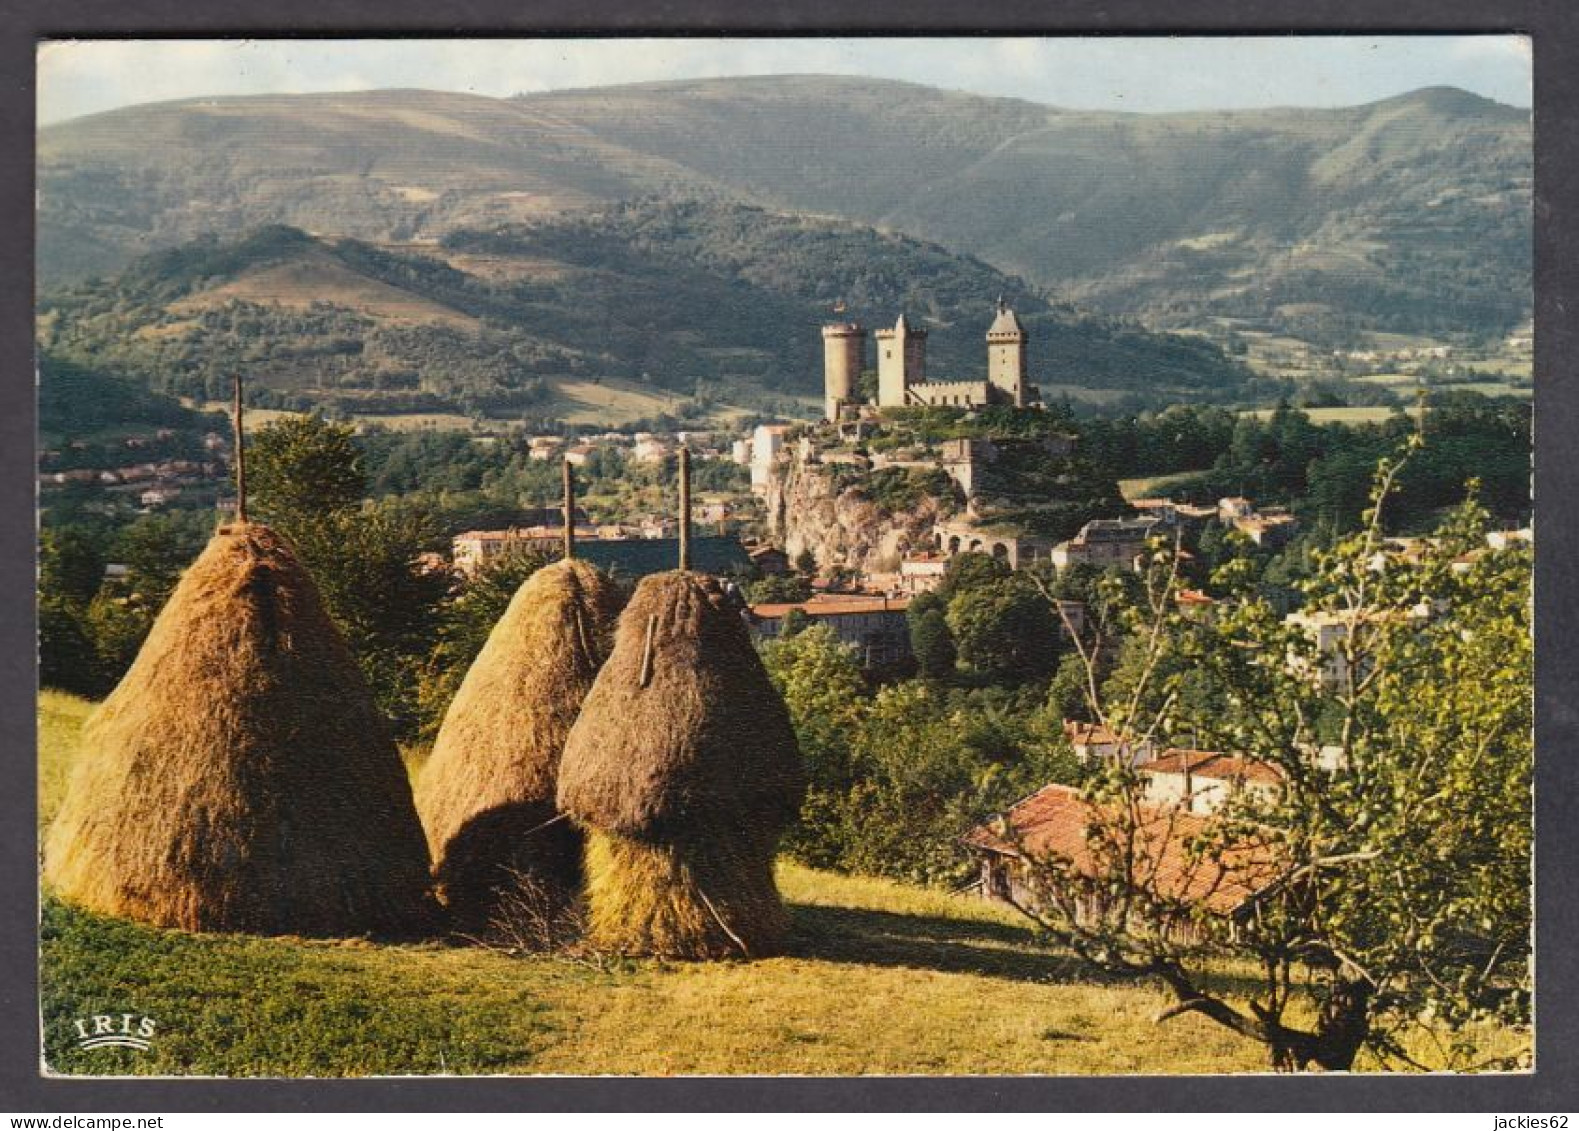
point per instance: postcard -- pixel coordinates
(940, 556)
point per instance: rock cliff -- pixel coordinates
(824, 508)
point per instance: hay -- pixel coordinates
(486, 794)
(697, 900)
(240, 778)
(684, 759)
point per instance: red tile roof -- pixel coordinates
(1089, 734)
(1209, 764)
(831, 606)
(1056, 823)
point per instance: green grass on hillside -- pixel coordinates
(880, 978)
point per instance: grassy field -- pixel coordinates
(880, 978)
(1344, 414)
(1153, 486)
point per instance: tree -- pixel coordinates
(70, 565)
(1004, 629)
(1388, 872)
(778, 588)
(300, 468)
(931, 642)
(308, 483)
(970, 571)
(822, 686)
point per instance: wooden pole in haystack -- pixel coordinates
(569, 476)
(241, 452)
(685, 509)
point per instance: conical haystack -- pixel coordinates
(240, 777)
(486, 795)
(684, 768)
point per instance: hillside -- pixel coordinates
(881, 977)
(715, 303)
(1409, 214)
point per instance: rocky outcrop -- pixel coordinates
(817, 507)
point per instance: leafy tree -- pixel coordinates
(822, 686)
(778, 588)
(1004, 629)
(1390, 869)
(931, 642)
(366, 560)
(67, 658)
(155, 549)
(970, 571)
(70, 565)
(300, 468)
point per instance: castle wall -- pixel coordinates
(952, 394)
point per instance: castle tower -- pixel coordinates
(843, 354)
(901, 362)
(1006, 340)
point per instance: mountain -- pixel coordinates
(1411, 214)
(718, 301)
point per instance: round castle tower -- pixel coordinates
(843, 355)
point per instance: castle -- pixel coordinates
(902, 368)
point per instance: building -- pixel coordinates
(1329, 631)
(968, 461)
(767, 442)
(875, 626)
(631, 558)
(1017, 550)
(649, 449)
(922, 573)
(1058, 826)
(769, 560)
(1105, 542)
(1071, 618)
(1094, 742)
(902, 368)
(159, 496)
(1271, 530)
(1200, 781)
(477, 549)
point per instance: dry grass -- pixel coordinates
(486, 794)
(692, 900)
(240, 777)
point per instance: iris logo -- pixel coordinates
(117, 1030)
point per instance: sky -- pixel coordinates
(1139, 74)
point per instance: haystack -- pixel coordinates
(486, 795)
(240, 778)
(684, 768)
